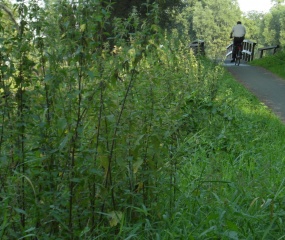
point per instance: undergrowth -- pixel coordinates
(139, 140)
(232, 177)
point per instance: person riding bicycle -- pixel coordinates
(238, 32)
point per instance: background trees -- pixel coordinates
(273, 26)
(267, 28)
(252, 21)
(208, 20)
(212, 21)
(197, 19)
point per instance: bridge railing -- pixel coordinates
(248, 50)
(274, 48)
(198, 47)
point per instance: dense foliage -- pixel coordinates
(89, 136)
(143, 141)
(267, 29)
(210, 21)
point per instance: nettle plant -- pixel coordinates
(91, 121)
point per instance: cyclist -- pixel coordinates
(238, 32)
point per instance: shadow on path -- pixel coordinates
(269, 88)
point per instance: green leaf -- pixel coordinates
(82, 27)
(61, 123)
(27, 236)
(64, 141)
(21, 211)
(85, 230)
(115, 217)
(231, 235)
(136, 165)
(30, 229)
(76, 180)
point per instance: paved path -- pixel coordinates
(269, 88)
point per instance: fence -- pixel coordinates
(274, 48)
(198, 47)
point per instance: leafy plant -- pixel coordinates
(129, 138)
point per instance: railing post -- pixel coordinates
(252, 53)
(249, 49)
(268, 48)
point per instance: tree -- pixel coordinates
(277, 2)
(212, 21)
(273, 27)
(10, 14)
(123, 8)
(253, 20)
(184, 20)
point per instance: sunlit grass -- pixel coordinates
(274, 63)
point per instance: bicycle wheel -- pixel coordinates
(238, 57)
(237, 61)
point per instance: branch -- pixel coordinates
(7, 10)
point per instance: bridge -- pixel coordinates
(267, 87)
(248, 51)
(249, 48)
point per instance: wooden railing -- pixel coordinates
(268, 48)
(248, 50)
(198, 47)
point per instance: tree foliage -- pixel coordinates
(252, 21)
(267, 28)
(274, 27)
(211, 21)
(123, 8)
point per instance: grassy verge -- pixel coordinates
(274, 63)
(232, 180)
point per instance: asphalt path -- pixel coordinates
(267, 87)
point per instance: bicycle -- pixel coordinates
(238, 54)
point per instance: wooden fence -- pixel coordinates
(274, 48)
(198, 47)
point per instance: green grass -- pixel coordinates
(232, 183)
(274, 63)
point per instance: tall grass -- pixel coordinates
(232, 183)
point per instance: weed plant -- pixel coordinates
(141, 141)
(89, 130)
